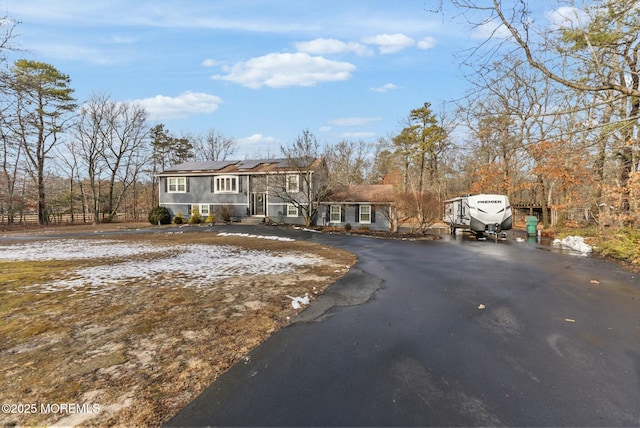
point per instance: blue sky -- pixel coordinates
(258, 71)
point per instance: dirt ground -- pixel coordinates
(137, 354)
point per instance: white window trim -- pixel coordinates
(290, 188)
(289, 210)
(331, 213)
(368, 214)
(203, 209)
(226, 184)
(177, 183)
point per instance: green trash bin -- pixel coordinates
(532, 225)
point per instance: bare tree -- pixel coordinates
(214, 146)
(124, 152)
(91, 130)
(68, 159)
(11, 149)
(304, 183)
(112, 142)
(420, 210)
(592, 51)
(348, 162)
(7, 35)
(11, 158)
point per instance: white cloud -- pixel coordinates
(256, 139)
(354, 121)
(490, 29)
(257, 146)
(74, 53)
(211, 63)
(568, 17)
(186, 104)
(427, 43)
(384, 88)
(390, 43)
(325, 129)
(280, 70)
(332, 46)
(358, 134)
(122, 40)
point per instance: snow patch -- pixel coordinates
(299, 302)
(197, 265)
(575, 243)
(75, 249)
(246, 235)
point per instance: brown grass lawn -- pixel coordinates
(138, 353)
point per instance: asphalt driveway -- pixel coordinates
(451, 332)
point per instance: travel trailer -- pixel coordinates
(482, 215)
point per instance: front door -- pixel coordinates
(259, 204)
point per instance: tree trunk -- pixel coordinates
(43, 216)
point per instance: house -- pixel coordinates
(363, 205)
(284, 190)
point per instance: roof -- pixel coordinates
(381, 193)
(252, 166)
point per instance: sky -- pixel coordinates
(258, 71)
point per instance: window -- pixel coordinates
(228, 184)
(292, 210)
(204, 210)
(336, 214)
(365, 214)
(177, 184)
(293, 183)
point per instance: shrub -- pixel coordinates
(159, 215)
(195, 217)
(178, 219)
(347, 227)
(211, 219)
(622, 243)
(225, 212)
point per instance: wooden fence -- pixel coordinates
(64, 218)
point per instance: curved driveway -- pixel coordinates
(402, 341)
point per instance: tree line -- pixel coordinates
(551, 119)
(553, 113)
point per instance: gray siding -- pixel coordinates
(350, 214)
(201, 190)
(278, 213)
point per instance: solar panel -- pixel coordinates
(213, 165)
(203, 166)
(250, 164)
(282, 163)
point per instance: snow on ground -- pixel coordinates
(197, 265)
(246, 235)
(575, 243)
(75, 249)
(299, 302)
